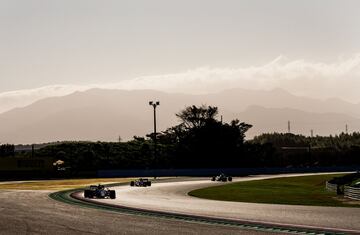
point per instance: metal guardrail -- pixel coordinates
(349, 192)
(352, 192)
(215, 171)
(331, 187)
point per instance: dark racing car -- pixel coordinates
(99, 191)
(141, 183)
(222, 177)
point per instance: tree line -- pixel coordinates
(202, 141)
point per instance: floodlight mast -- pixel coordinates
(154, 104)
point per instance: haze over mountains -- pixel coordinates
(103, 114)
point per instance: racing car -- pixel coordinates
(141, 183)
(222, 177)
(99, 191)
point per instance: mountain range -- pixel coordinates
(103, 114)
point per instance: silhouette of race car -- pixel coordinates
(99, 191)
(141, 183)
(222, 177)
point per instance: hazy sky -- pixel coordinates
(267, 43)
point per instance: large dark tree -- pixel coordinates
(203, 141)
(196, 117)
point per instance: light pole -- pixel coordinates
(154, 104)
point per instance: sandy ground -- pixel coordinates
(172, 197)
(33, 212)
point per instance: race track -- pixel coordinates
(33, 212)
(172, 197)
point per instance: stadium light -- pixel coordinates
(154, 104)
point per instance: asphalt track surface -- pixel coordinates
(34, 212)
(172, 197)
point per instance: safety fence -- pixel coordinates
(215, 171)
(331, 187)
(348, 191)
(352, 192)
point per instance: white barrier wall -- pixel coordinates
(352, 192)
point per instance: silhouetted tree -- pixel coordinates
(202, 141)
(7, 150)
(195, 117)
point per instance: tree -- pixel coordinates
(203, 141)
(195, 117)
(7, 150)
(241, 128)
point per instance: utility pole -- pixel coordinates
(32, 150)
(221, 119)
(154, 104)
(346, 129)
(289, 131)
(312, 133)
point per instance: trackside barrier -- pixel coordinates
(215, 171)
(331, 187)
(352, 193)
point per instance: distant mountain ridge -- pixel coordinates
(100, 114)
(279, 98)
(268, 120)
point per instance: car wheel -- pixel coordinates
(86, 194)
(112, 194)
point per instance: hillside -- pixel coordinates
(100, 114)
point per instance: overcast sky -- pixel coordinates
(309, 47)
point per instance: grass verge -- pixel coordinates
(303, 190)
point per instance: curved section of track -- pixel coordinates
(170, 200)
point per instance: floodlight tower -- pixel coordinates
(154, 104)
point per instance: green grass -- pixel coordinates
(304, 190)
